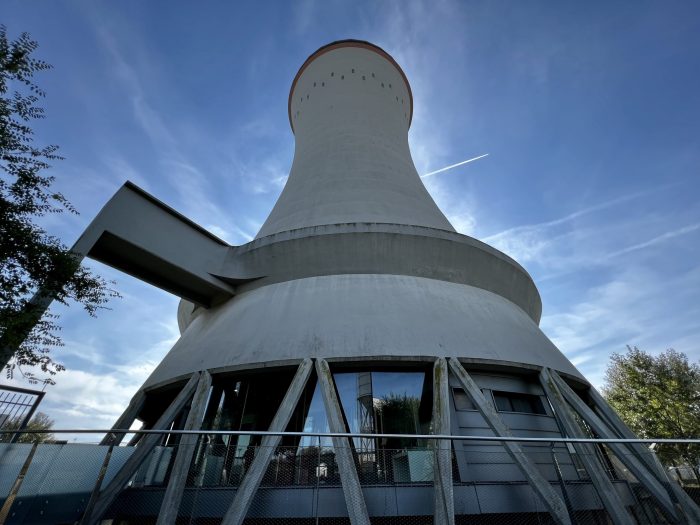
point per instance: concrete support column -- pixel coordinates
(604, 411)
(185, 450)
(146, 446)
(125, 420)
(552, 501)
(442, 457)
(354, 498)
(635, 466)
(586, 452)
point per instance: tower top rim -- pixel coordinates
(339, 44)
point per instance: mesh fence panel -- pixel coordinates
(306, 484)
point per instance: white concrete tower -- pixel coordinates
(355, 259)
(358, 307)
(350, 107)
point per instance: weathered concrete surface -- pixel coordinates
(139, 235)
(383, 249)
(346, 316)
(362, 248)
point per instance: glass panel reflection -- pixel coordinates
(516, 402)
(315, 456)
(316, 421)
(388, 403)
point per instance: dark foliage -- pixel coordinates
(40, 421)
(34, 266)
(658, 397)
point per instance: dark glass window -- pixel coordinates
(515, 402)
(462, 400)
(245, 402)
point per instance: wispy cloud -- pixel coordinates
(197, 195)
(304, 14)
(404, 30)
(531, 242)
(198, 200)
(571, 216)
(472, 87)
(120, 169)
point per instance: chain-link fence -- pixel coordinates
(296, 478)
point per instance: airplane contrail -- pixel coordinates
(656, 240)
(453, 166)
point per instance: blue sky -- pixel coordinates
(589, 111)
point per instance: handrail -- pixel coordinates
(356, 435)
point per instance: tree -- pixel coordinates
(398, 414)
(40, 421)
(658, 397)
(35, 267)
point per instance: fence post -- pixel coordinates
(442, 462)
(5, 511)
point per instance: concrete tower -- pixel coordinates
(358, 307)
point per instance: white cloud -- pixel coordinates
(457, 207)
(634, 307)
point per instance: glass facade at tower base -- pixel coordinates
(300, 486)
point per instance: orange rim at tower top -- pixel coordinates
(338, 44)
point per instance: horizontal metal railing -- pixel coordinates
(450, 437)
(58, 482)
